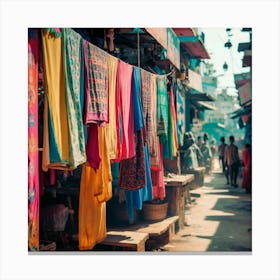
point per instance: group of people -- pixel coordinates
(201, 153)
(197, 154)
(231, 163)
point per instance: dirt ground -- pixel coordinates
(218, 220)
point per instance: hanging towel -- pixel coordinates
(162, 109)
(125, 124)
(96, 85)
(92, 213)
(111, 127)
(33, 156)
(56, 118)
(72, 70)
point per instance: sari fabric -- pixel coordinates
(96, 85)
(56, 152)
(125, 123)
(33, 156)
(72, 69)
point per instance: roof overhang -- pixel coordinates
(203, 105)
(241, 112)
(192, 42)
(201, 97)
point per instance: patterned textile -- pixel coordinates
(56, 152)
(72, 69)
(33, 156)
(96, 85)
(133, 170)
(125, 122)
(148, 97)
(162, 109)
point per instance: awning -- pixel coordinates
(201, 97)
(241, 79)
(192, 42)
(241, 112)
(244, 47)
(203, 105)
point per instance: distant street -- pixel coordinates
(219, 219)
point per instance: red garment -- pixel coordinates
(158, 178)
(247, 175)
(92, 148)
(125, 117)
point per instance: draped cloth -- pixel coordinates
(95, 191)
(33, 156)
(125, 117)
(96, 85)
(56, 152)
(148, 98)
(162, 109)
(72, 45)
(111, 127)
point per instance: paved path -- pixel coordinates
(219, 220)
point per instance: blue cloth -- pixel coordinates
(135, 199)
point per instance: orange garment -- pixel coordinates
(111, 127)
(92, 213)
(95, 190)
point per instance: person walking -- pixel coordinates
(247, 173)
(207, 154)
(232, 161)
(221, 151)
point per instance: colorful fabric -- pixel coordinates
(33, 156)
(92, 213)
(158, 178)
(162, 109)
(92, 146)
(247, 174)
(72, 69)
(56, 152)
(96, 85)
(111, 127)
(133, 170)
(125, 123)
(148, 97)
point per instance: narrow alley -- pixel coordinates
(218, 220)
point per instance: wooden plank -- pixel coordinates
(126, 239)
(178, 180)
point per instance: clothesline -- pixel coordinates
(167, 74)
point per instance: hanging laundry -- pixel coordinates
(72, 70)
(92, 213)
(33, 156)
(133, 170)
(92, 146)
(56, 152)
(96, 85)
(136, 171)
(149, 102)
(162, 109)
(157, 174)
(111, 127)
(125, 122)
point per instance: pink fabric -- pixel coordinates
(92, 146)
(158, 178)
(125, 111)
